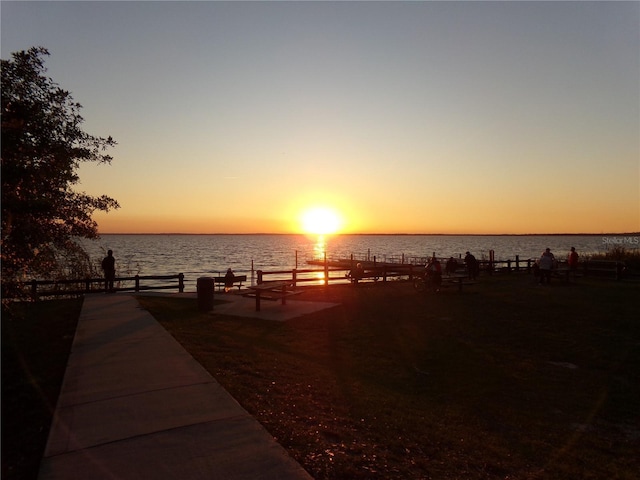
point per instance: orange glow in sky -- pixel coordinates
(352, 117)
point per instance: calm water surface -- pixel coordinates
(202, 255)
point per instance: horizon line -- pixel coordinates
(387, 234)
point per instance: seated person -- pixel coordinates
(451, 266)
(228, 280)
(356, 273)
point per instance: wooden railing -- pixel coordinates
(38, 288)
(323, 276)
(404, 263)
(606, 268)
(326, 275)
(384, 271)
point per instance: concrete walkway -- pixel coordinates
(135, 405)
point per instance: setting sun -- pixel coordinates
(320, 220)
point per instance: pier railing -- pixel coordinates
(406, 267)
(331, 274)
(489, 265)
(335, 270)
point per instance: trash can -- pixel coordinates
(205, 287)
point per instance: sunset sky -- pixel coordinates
(402, 117)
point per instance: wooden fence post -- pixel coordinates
(34, 289)
(491, 261)
(181, 282)
(294, 276)
(137, 283)
(259, 272)
(326, 270)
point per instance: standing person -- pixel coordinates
(434, 274)
(546, 264)
(572, 260)
(472, 265)
(109, 267)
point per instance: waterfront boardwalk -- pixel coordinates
(134, 404)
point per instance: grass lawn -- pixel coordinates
(505, 380)
(36, 340)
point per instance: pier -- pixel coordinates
(403, 263)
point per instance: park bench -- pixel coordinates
(377, 273)
(272, 291)
(457, 280)
(364, 275)
(237, 281)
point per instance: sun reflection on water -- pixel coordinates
(320, 247)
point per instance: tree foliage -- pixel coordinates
(42, 147)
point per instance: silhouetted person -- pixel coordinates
(434, 274)
(472, 265)
(109, 267)
(451, 266)
(228, 280)
(356, 274)
(572, 261)
(536, 271)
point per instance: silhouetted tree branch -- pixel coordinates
(42, 147)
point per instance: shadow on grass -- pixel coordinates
(505, 380)
(36, 341)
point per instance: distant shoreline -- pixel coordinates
(623, 234)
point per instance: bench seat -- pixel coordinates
(272, 291)
(365, 276)
(237, 281)
(454, 282)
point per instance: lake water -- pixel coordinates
(207, 255)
